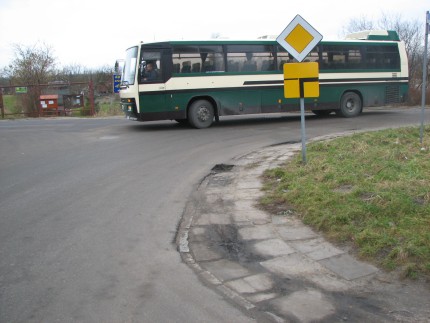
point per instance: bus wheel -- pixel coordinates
(350, 105)
(201, 114)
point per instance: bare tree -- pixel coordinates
(33, 65)
(72, 73)
(408, 31)
(411, 32)
(358, 24)
(102, 78)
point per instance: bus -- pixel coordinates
(198, 82)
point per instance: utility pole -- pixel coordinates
(92, 105)
(1, 103)
(423, 89)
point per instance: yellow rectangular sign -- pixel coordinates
(301, 80)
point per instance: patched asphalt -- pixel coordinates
(278, 269)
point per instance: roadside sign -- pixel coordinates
(301, 80)
(21, 89)
(116, 83)
(299, 38)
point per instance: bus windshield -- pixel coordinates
(129, 71)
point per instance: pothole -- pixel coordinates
(220, 168)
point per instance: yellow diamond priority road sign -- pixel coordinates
(299, 38)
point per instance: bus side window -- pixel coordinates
(186, 67)
(250, 64)
(150, 65)
(267, 66)
(208, 66)
(150, 71)
(196, 68)
(235, 60)
(233, 66)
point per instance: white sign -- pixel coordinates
(299, 38)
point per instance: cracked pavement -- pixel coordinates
(278, 269)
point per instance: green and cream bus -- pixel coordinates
(197, 82)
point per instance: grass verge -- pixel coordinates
(11, 105)
(370, 190)
(105, 106)
(108, 106)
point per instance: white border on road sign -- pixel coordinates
(298, 20)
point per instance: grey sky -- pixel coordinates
(94, 33)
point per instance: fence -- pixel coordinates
(45, 100)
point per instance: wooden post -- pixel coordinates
(92, 108)
(1, 103)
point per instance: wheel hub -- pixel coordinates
(203, 114)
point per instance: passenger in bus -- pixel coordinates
(150, 73)
(249, 65)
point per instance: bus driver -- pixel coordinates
(150, 73)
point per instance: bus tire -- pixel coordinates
(350, 105)
(201, 114)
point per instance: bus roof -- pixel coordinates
(374, 35)
(359, 37)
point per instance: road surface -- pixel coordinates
(89, 210)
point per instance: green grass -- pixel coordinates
(108, 106)
(105, 106)
(10, 103)
(370, 190)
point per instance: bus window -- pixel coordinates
(250, 58)
(150, 66)
(313, 56)
(198, 59)
(283, 57)
(184, 57)
(383, 57)
(212, 57)
(354, 57)
(129, 70)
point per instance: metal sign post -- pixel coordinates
(300, 79)
(423, 89)
(303, 129)
(1, 103)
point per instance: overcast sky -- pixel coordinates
(93, 33)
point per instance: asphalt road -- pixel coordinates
(89, 210)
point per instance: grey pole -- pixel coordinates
(302, 117)
(423, 89)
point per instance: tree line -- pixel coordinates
(412, 33)
(36, 67)
(36, 64)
